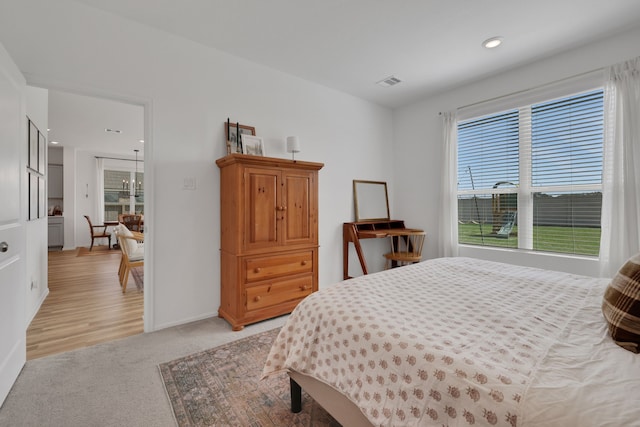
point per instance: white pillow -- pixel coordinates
(132, 244)
(121, 229)
(138, 254)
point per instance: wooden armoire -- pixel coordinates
(268, 236)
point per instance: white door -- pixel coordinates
(12, 238)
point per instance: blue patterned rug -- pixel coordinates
(222, 387)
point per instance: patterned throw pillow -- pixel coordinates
(621, 305)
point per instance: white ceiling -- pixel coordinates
(80, 122)
(351, 44)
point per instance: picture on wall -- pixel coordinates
(42, 205)
(36, 172)
(42, 153)
(33, 146)
(231, 131)
(33, 196)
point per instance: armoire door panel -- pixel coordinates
(262, 213)
(298, 196)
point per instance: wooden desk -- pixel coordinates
(354, 231)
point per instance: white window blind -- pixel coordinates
(488, 151)
(530, 177)
(567, 136)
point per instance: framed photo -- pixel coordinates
(33, 196)
(42, 211)
(252, 145)
(42, 146)
(33, 146)
(231, 135)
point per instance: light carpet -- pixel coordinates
(222, 387)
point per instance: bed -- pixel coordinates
(459, 342)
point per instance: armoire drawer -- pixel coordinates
(270, 294)
(262, 268)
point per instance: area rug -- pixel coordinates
(222, 387)
(138, 277)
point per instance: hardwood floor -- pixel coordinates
(85, 305)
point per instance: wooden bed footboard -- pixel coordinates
(340, 407)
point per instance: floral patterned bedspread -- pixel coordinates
(449, 341)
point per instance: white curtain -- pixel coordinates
(448, 246)
(621, 167)
(100, 190)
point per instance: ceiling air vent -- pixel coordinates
(389, 81)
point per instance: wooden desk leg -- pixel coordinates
(349, 234)
(363, 263)
(345, 259)
(345, 255)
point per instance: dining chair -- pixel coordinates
(406, 248)
(98, 232)
(132, 253)
(132, 221)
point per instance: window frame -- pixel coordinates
(525, 190)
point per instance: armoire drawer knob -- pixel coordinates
(257, 298)
(257, 270)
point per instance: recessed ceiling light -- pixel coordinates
(54, 142)
(492, 42)
(141, 141)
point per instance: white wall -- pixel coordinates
(36, 230)
(55, 155)
(418, 143)
(189, 91)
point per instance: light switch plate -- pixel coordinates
(189, 183)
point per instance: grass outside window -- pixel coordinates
(570, 240)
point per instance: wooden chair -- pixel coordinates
(132, 221)
(130, 258)
(406, 248)
(98, 232)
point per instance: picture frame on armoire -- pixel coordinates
(231, 133)
(253, 145)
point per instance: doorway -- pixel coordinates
(85, 304)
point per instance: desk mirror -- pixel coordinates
(370, 200)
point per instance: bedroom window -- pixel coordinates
(531, 177)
